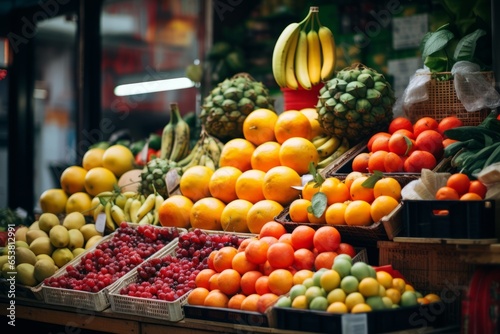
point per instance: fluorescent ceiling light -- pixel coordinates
(153, 86)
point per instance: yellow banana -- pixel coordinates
(213, 149)
(126, 209)
(195, 161)
(313, 57)
(117, 214)
(129, 194)
(97, 211)
(301, 67)
(329, 147)
(209, 162)
(320, 140)
(329, 56)
(134, 208)
(325, 162)
(147, 219)
(280, 52)
(181, 135)
(110, 224)
(147, 206)
(290, 79)
(158, 202)
(167, 140)
(344, 146)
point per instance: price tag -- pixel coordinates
(100, 223)
(355, 323)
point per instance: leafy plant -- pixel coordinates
(458, 39)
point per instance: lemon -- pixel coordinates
(80, 202)
(93, 158)
(74, 220)
(118, 159)
(73, 179)
(98, 180)
(47, 221)
(53, 201)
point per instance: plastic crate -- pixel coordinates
(226, 315)
(383, 321)
(146, 307)
(95, 301)
(460, 220)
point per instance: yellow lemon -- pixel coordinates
(53, 201)
(73, 179)
(93, 158)
(118, 159)
(98, 180)
(79, 202)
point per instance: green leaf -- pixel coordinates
(424, 40)
(372, 179)
(409, 144)
(436, 64)
(466, 47)
(318, 204)
(437, 41)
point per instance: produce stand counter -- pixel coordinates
(84, 321)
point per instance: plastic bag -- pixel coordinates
(415, 92)
(426, 186)
(472, 89)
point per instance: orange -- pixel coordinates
(382, 206)
(213, 282)
(303, 259)
(309, 189)
(262, 212)
(358, 213)
(312, 115)
(237, 153)
(206, 213)
(401, 144)
(361, 308)
(210, 261)
(224, 258)
(228, 281)
(302, 237)
(297, 153)
(98, 180)
(278, 183)
(118, 159)
(249, 185)
(334, 214)
(448, 141)
(298, 210)
(266, 300)
(424, 123)
(398, 123)
(430, 141)
(256, 251)
(380, 144)
(93, 158)
(470, 197)
(235, 301)
(419, 160)
(272, 228)
(335, 190)
(374, 137)
(301, 275)
(432, 297)
(449, 122)
(79, 202)
(222, 184)
(326, 239)
(287, 237)
(197, 296)
(393, 294)
(243, 245)
(202, 280)
(405, 132)
(324, 260)
(387, 186)
(393, 163)
(266, 156)
(234, 216)
(292, 123)
(359, 192)
(216, 298)
(73, 179)
(360, 162)
(258, 126)
(250, 302)
(280, 255)
(351, 177)
(194, 182)
(477, 187)
(280, 281)
(241, 264)
(399, 284)
(266, 268)
(447, 193)
(369, 287)
(53, 200)
(460, 182)
(262, 285)
(248, 280)
(384, 278)
(174, 211)
(376, 161)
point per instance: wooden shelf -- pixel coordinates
(480, 254)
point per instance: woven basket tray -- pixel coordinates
(443, 102)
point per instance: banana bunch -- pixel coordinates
(304, 56)
(175, 137)
(206, 152)
(128, 206)
(329, 148)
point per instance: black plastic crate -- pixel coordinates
(226, 315)
(451, 219)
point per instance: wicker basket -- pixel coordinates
(443, 102)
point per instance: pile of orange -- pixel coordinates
(266, 266)
(349, 202)
(406, 147)
(460, 187)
